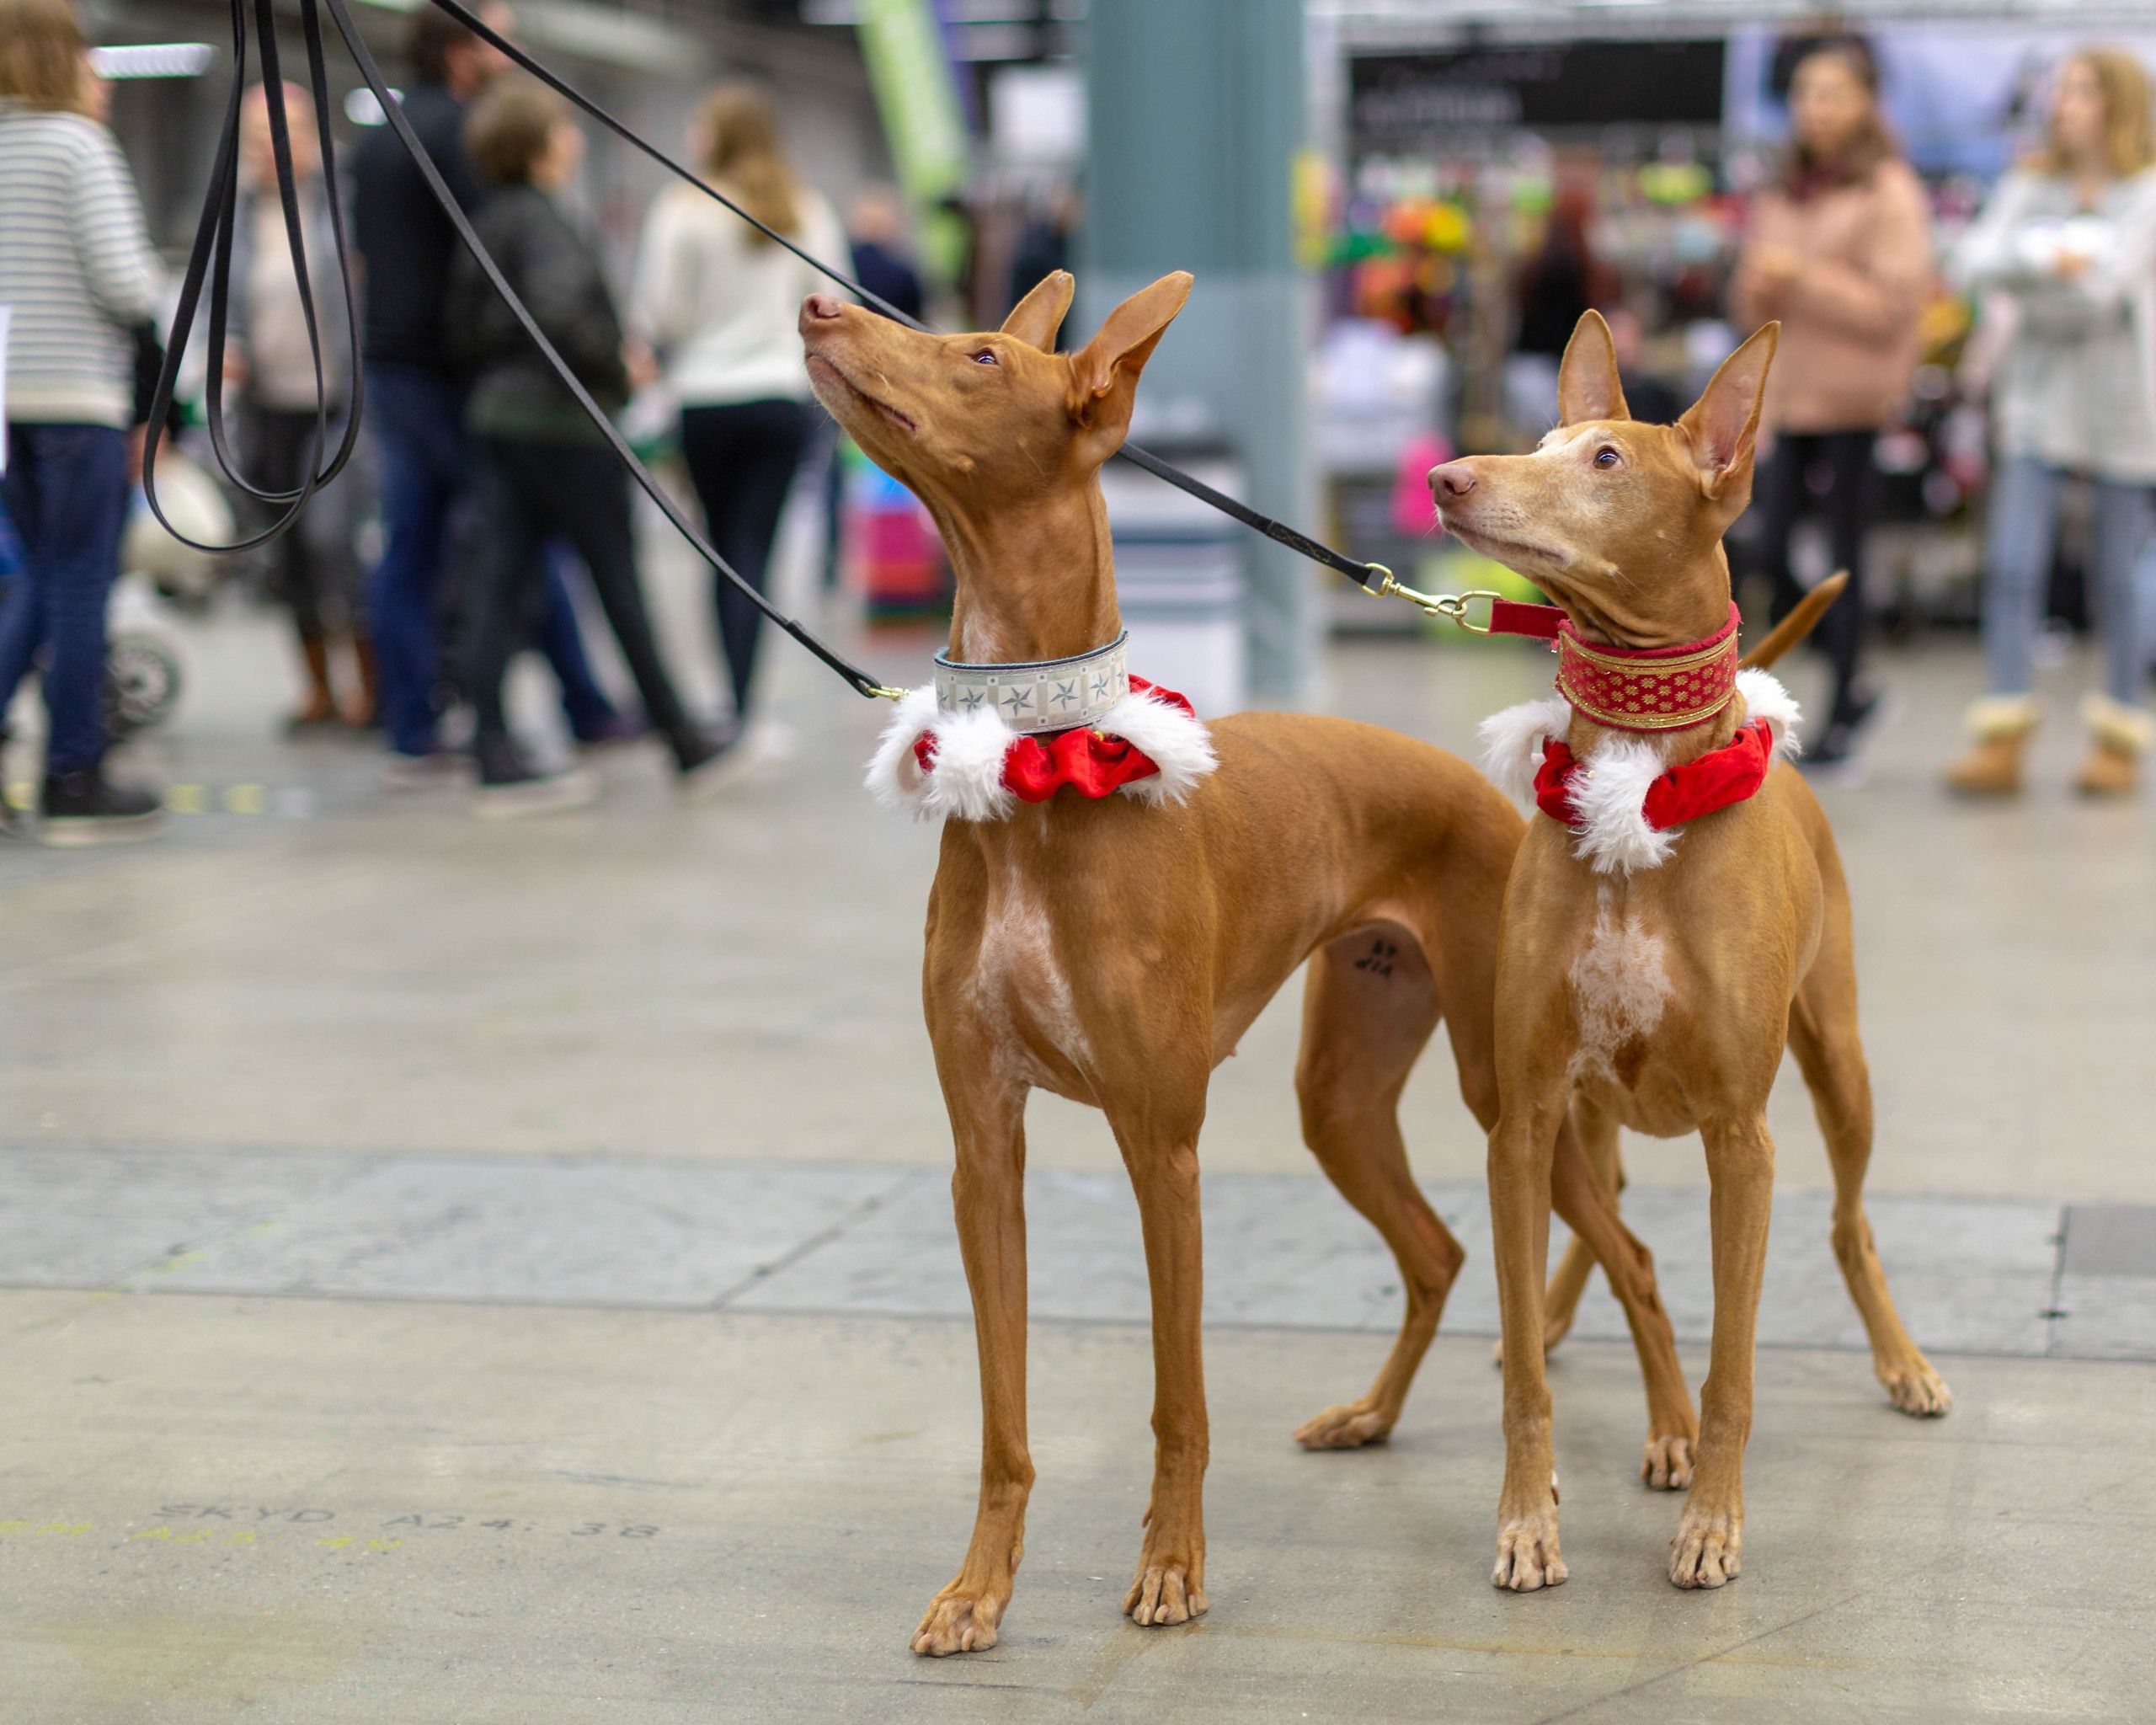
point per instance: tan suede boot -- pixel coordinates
(2119, 735)
(318, 705)
(2001, 724)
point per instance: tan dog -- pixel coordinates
(1663, 994)
(1114, 951)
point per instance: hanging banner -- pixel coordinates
(917, 95)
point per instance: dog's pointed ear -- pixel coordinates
(1588, 386)
(1035, 318)
(1723, 425)
(1104, 372)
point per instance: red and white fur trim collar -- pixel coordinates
(967, 781)
(1614, 836)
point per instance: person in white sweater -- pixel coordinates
(78, 279)
(2069, 238)
(719, 303)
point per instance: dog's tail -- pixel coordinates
(1799, 623)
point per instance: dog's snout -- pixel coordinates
(1452, 479)
(821, 308)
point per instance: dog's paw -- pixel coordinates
(1667, 1465)
(1916, 1389)
(1166, 1592)
(1527, 1554)
(959, 1621)
(1346, 1427)
(1705, 1551)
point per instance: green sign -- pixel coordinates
(918, 98)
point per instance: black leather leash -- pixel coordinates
(209, 268)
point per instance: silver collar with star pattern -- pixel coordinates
(1050, 695)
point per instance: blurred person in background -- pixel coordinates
(1557, 286)
(270, 361)
(883, 261)
(545, 470)
(720, 302)
(415, 403)
(1839, 249)
(80, 280)
(2069, 238)
(1045, 244)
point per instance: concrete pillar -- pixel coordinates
(1196, 110)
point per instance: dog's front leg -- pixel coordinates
(988, 1193)
(1741, 1173)
(1521, 1146)
(1158, 1136)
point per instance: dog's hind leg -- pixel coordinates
(988, 1194)
(1597, 1131)
(1369, 1006)
(1822, 1034)
(1587, 1205)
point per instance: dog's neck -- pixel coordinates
(1035, 581)
(1652, 610)
(1692, 606)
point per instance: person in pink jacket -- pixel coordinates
(1839, 249)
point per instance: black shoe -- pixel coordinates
(611, 731)
(510, 786)
(1846, 734)
(86, 808)
(706, 762)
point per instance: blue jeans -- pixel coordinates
(417, 419)
(2018, 565)
(66, 489)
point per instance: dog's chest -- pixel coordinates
(1021, 994)
(1619, 984)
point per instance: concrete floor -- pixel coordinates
(361, 1163)
(321, 1511)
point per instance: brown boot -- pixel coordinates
(2119, 735)
(2001, 724)
(363, 710)
(318, 705)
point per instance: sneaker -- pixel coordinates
(510, 787)
(425, 772)
(86, 808)
(707, 762)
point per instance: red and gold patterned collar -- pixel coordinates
(1632, 688)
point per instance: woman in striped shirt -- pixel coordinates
(77, 277)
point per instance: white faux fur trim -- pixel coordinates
(967, 781)
(1764, 697)
(1512, 743)
(894, 778)
(1610, 796)
(1610, 793)
(1177, 743)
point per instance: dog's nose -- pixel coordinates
(1452, 479)
(821, 308)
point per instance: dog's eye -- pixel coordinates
(986, 356)
(1605, 456)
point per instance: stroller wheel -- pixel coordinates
(141, 684)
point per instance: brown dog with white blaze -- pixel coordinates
(1656, 967)
(1111, 944)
